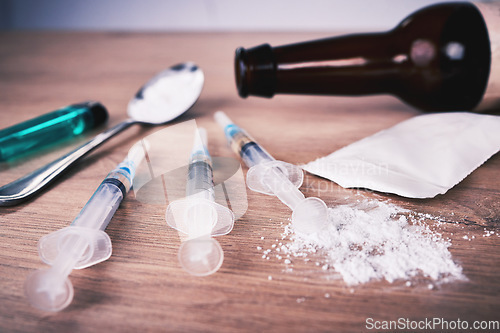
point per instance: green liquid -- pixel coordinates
(47, 129)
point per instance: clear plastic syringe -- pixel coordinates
(198, 215)
(82, 244)
(269, 176)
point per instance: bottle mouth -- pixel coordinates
(240, 71)
(255, 71)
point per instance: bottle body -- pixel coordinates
(437, 59)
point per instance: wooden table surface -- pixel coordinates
(142, 286)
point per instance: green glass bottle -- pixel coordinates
(50, 128)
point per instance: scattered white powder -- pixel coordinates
(488, 233)
(375, 240)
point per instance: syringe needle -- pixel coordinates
(84, 243)
(269, 176)
(198, 215)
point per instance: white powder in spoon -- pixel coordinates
(373, 241)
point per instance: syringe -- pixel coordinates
(82, 244)
(198, 215)
(269, 176)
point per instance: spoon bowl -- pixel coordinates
(167, 95)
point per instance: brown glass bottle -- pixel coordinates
(436, 59)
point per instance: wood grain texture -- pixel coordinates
(142, 286)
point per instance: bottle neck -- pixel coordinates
(348, 65)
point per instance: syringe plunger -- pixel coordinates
(198, 215)
(83, 243)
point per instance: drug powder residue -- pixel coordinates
(374, 240)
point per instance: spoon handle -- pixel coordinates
(21, 189)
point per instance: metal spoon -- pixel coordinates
(165, 97)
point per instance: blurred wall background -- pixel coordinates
(205, 15)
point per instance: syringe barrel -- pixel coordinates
(101, 207)
(245, 146)
(252, 154)
(200, 180)
(200, 174)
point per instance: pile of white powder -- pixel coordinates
(374, 240)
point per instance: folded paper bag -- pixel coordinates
(418, 158)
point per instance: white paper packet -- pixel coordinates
(417, 158)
